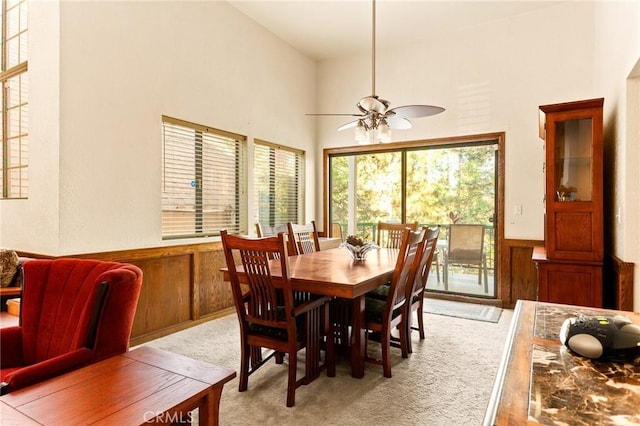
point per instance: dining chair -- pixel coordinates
(303, 238)
(269, 231)
(336, 231)
(465, 246)
(389, 235)
(269, 316)
(415, 293)
(382, 316)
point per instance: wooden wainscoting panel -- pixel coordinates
(618, 283)
(166, 293)
(214, 293)
(518, 278)
(183, 286)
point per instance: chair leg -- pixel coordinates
(407, 330)
(244, 368)
(486, 278)
(404, 338)
(445, 275)
(330, 347)
(421, 319)
(385, 342)
(291, 385)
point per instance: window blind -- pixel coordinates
(203, 180)
(279, 183)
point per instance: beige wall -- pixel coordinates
(616, 75)
(103, 73)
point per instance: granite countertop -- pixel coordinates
(567, 389)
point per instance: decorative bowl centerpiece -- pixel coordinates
(358, 248)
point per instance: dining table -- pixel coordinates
(335, 273)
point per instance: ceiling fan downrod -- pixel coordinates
(373, 50)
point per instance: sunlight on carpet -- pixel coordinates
(470, 311)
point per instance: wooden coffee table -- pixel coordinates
(146, 385)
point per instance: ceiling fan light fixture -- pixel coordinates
(372, 130)
(361, 133)
(384, 131)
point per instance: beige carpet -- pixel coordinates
(446, 381)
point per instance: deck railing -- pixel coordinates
(369, 231)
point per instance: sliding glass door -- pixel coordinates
(433, 185)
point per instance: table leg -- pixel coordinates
(357, 333)
(206, 410)
(209, 407)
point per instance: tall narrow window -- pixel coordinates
(13, 75)
(279, 183)
(203, 180)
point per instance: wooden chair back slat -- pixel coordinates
(429, 249)
(303, 238)
(389, 235)
(255, 255)
(406, 265)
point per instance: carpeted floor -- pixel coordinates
(446, 381)
(471, 311)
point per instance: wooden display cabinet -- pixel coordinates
(570, 264)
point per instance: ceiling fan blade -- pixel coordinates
(348, 125)
(335, 115)
(398, 123)
(417, 111)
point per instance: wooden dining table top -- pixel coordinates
(334, 273)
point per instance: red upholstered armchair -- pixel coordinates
(74, 312)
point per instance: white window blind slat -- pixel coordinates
(279, 183)
(203, 179)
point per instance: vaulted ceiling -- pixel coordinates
(324, 29)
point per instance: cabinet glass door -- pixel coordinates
(573, 160)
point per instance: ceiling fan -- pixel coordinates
(375, 118)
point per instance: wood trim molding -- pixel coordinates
(619, 295)
(517, 276)
(183, 286)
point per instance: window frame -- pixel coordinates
(11, 139)
(497, 137)
(299, 190)
(206, 174)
